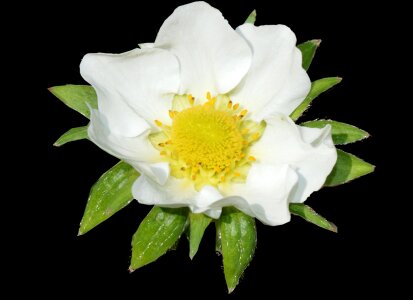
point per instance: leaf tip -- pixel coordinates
(80, 232)
(333, 228)
(316, 42)
(52, 90)
(56, 144)
(231, 289)
(131, 270)
(339, 79)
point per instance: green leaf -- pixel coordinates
(317, 87)
(239, 239)
(308, 214)
(197, 225)
(77, 97)
(74, 134)
(252, 17)
(308, 50)
(347, 168)
(157, 233)
(342, 133)
(111, 193)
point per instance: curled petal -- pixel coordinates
(309, 151)
(265, 195)
(212, 56)
(133, 88)
(176, 193)
(276, 81)
(137, 151)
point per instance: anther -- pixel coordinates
(255, 136)
(243, 113)
(191, 99)
(159, 123)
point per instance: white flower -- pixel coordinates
(202, 114)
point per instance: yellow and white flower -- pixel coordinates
(202, 114)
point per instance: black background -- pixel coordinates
(297, 258)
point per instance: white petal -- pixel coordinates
(132, 86)
(171, 194)
(145, 45)
(276, 81)
(212, 56)
(265, 194)
(137, 151)
(310, 151)
(176, 193)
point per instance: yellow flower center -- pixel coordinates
(207, 143)
(204, 136)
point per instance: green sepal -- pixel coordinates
(252, 17)
(308, 50)
(77, 97)
(317, 87)
(238, 237)
(308, 214)
(197, 225)
(348, 167)
(74, 134)
(342, 133)
(157, 233)
(111, 193)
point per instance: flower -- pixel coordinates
(202, 114)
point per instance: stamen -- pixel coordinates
(208, 142)
(255, 136)
(159, 123)
(243, 113)
(171, 114)
(191, 99)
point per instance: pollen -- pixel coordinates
(206, 136)
(207, 143)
